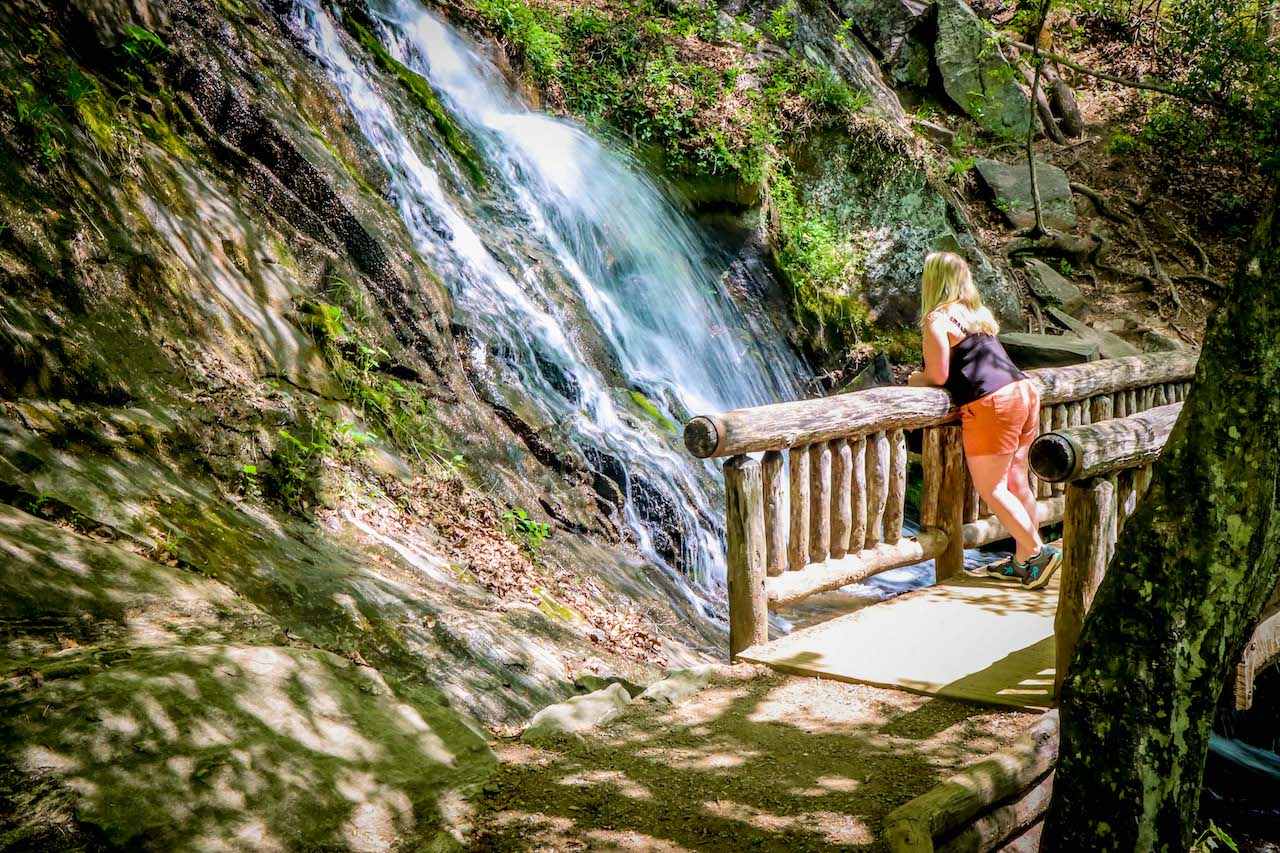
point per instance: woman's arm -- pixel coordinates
(937, 354)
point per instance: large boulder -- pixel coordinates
(885, 24)
(975, 73)
(873, 189)
(1010, 185)
(1053, 288)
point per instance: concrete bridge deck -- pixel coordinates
(972, 638)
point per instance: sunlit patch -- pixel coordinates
(693, 759)
(838, 828)
(711, 705)
(514, 817)
(631, 841)
(521, 755)
(36, 758)
(616, 778)
(828, 784)
(729, 810)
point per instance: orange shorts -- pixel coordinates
(1002, 421)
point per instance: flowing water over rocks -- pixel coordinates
(593, 309)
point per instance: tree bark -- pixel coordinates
(1193, 570)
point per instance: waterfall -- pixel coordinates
(586, 291)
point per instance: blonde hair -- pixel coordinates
(947, 284)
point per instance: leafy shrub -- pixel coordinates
(531, 534)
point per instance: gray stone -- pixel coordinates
(975, 73)
(577, 714)
(1030, 350)
(884, 24)
(877, 373)
(944, 136)
(1051, 287)
(1153, 341)
(911, 65)
(1011, 187)
(680, 685)
(820, 36)
(1111, 346)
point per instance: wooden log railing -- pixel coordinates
(1106, 468)
(830, 490)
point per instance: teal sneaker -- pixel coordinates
(1006, 570)
(1041, 567)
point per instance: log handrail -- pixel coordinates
(1096, 449)
(784, 425)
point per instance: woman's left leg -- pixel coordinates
(991, 475)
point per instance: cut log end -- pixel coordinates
(702, 437)
(1053, 458)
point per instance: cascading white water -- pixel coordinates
(635, 288)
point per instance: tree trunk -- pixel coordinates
(1193, 570)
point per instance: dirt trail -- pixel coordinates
(757, 761)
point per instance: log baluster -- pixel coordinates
(895, 505)
(1121, 404)
(1100, 408)
(1162, 396)
(798, 544)
(1126, 497)
(877, 487)
(841, 498)
(744, 516)
(1135, 402)
(819, 502)
(971, 498)
(858, 494)
(931, 474)
(773, 472)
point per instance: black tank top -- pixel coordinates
(979, 366)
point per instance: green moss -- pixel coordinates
(422, 92)
(549, 605)
(823, 267)
(652, 411)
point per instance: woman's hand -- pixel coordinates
(917, 379)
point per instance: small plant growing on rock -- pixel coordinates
(251, 485)
(780, 24)
(531, 534)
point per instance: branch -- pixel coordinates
(1144, 83)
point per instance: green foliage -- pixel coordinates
(780, 24)
(250, 485)
(526, 27)
(530, 534)
(40, 116)
(958, 169)
(1214, 838)
(401, 410)
(1121, 143)
(820, 265)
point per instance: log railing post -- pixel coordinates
(1087, 527)
(857, 494)
(895, 508)
(819, 502)
(877, 487)
(798, 544)
(841, 497)
(931, 475)
(744, 515)
(772, 469)
(951, 503)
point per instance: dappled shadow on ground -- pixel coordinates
(767, 762)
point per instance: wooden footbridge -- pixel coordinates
(824, 506)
